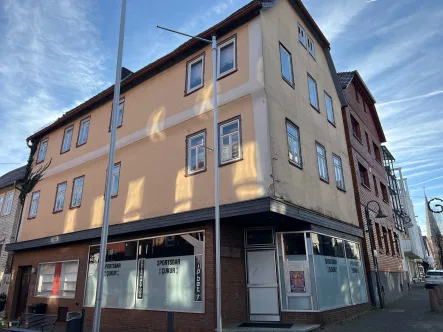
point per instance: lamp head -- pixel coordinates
(380, 214)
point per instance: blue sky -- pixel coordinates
(58, 53)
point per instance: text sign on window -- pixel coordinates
(198, 278)
(151, 274)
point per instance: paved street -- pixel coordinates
(410, 313)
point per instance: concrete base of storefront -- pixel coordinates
(294, 328)
(394, 285)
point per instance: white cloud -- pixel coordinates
(427, 95)
(430, 180)
(50, 55)
(334, 17)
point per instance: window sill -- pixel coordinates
(316, 108)
(358, 138)
(195, 90)
(109, 130)
(230, 162)
(332, 123)
(341, 189)
(379, 161)
(387, 202)
(195, 173)
(74, 207)
(30, 218)
(39, 162)
(365, 186)
(58, 211)
(324, 180)
(300, 166)
(292, 85)
(227, 74)
(79, 145)
(63, 152)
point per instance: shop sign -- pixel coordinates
(198, 278)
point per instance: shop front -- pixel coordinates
(164, 280)
(301, 272)
(164, 273)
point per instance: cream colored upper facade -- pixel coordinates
(158, 117)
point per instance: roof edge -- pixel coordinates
(373, 109)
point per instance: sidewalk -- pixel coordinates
(411, 313)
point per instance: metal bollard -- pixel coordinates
(438, 294)
(433, 300)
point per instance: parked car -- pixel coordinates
(433, 277)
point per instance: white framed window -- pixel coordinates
(77, 191)
(338, 170)
(294, 149)
(230, 145)
(313, 95)
(226, 57)
(42, 150)
(83, 131)
(286, 65)
(322, 163)
(115, 179)
(67, 139)
(311, 47)
(194, 73)
(302, 35)
(196, 152)
(2, 199)
(8, 203)
(120, 112)
(34, 204)
(58, 279)
(60, 197)
(329, 108)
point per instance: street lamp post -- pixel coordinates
(379, 215)
(215, 149)
(105, 225)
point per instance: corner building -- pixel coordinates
(290, 235)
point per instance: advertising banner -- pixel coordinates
(297, 278)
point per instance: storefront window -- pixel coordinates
(161, 273)
(57, 279)
(319, 272)
(295, 280)
(331, 272)
(356, 273)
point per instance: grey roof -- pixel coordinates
(345, 78)
(15, 175)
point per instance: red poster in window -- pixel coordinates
(56, 283)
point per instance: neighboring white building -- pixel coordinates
(412, 245)
(10, 209)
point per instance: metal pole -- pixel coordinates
(374, 258)
(105, 226)
(217, 202)
(216, 182)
